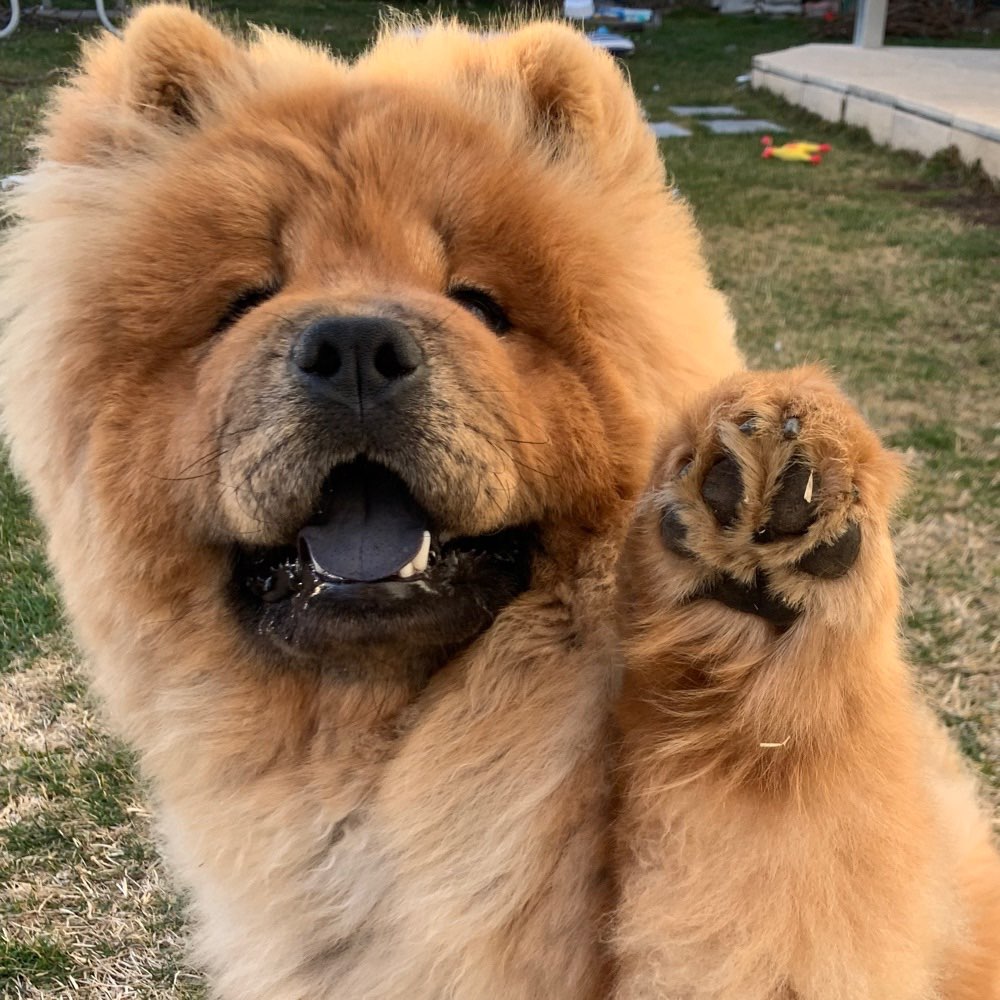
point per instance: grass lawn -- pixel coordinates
(876, 262)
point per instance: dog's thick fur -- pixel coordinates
(756, 815)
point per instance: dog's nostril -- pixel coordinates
(390, 362)
(318, 356)
(323, 360)
(326, 362)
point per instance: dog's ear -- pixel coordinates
(178, 64)
(171, 69)
(578, 95)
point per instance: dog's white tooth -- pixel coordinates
(407, 571)
(420, 559)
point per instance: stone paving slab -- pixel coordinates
(705, 111)
(740, 126)
(668, 130)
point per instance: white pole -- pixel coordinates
(869, 23)
(105, 20)
(15, 16)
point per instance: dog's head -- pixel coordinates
(340, 352)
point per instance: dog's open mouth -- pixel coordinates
(371, 566)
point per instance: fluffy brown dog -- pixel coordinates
(336, 390)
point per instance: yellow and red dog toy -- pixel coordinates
(796, 151)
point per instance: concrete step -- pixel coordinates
(915, 98)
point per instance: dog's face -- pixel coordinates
(377, 412)
(352, 349)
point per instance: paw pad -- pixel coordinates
(793, 508)
(722, 490)
(833, 560)
(673, 531)
(753, 598)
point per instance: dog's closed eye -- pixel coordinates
(483, 306)
(244, 303)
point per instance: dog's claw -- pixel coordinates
(791, 428)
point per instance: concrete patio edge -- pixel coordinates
(892, 119)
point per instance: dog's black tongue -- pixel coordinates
(369, 529)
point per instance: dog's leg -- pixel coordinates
(782, 832)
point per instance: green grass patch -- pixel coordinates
(38, 963)
(939, 438)
(967, 733)
(29, 605)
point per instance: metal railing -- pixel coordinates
(15, 17)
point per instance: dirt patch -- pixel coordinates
(949, 184)
(979, 210)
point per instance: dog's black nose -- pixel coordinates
(357, 361)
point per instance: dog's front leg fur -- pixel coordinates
(793, 824)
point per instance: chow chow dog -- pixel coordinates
(483, 627)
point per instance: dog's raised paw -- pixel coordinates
(761, 497)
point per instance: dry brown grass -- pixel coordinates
(88, 912)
